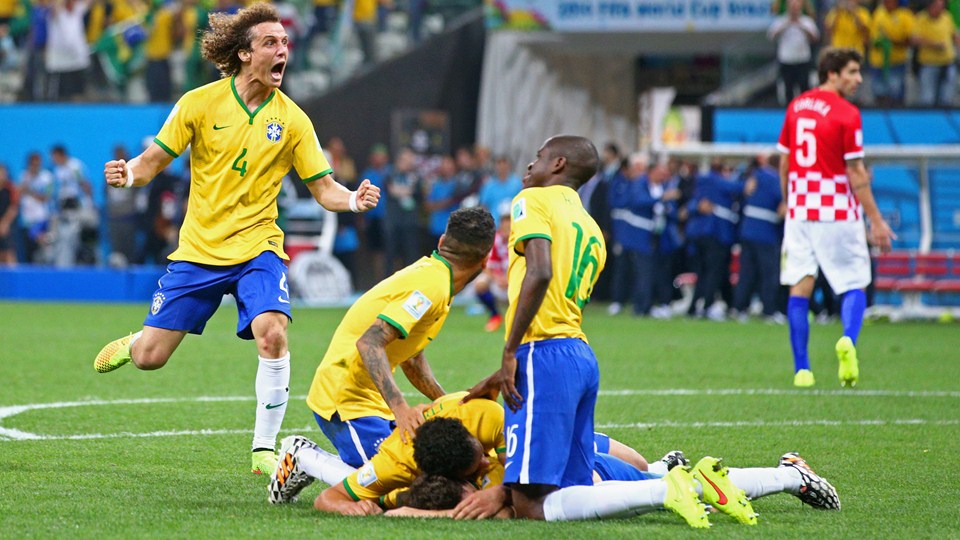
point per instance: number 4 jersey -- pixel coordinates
(577, 255)
(820, 133)
(238, 158)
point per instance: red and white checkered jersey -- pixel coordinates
(821, 131)
(499, 256)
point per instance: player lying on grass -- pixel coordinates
(301, 461)
(793, 475)
(435, 452)
(354, 397)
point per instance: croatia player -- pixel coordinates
(245, 134)
(549, 377)
(828, 192)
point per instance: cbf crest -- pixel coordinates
(158, 299)
(274, 129)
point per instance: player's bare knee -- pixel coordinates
(148, 359)
(272, 343)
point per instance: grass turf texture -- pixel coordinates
(895, 478)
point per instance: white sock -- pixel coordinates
(273, 390)
(657, 467)
(761, 481)
(323, 465)
(611, 499)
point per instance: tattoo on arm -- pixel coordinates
(372, 347)
(420, 375)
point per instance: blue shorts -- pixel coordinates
(550, 439)
(190, 293)
(356, 440)
(613, 468)
(601, 443)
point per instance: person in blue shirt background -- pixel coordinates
(378, 167)
(499, 189)
(761, 231)
(712, 230)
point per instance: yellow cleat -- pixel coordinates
(264, 462)
(682, 498)
(721, 493)
(113, 355)
(849, 370)
(803, 378)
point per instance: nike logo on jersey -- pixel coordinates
(218, 128)
(723, 497)
(272, 406)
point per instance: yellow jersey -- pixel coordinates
(895, 26)
(577, 254)
(939, 30)
(393, 467)
(846, 31)
(159, 43)
(415, 301)
(237, 159)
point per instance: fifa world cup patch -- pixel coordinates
(519, 210)
(366, 475)
(158, 299)
(417, 304)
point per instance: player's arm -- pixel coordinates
(140, 170)
(372, 346)
(336, 500)
(533, 288)
(784, 169)
(420, 375)
(880, 233)
(335, 197)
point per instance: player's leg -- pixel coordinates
(845, 261)
(798, 268)
(356, 440)
(263, 306)
(485, 295)
(188, 296)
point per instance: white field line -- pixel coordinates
(15, 434)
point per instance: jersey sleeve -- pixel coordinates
(529, 218)
(783, 144)
(179, 127)
(308, 157)
(853, 136)
(411, 304)
(375, 479)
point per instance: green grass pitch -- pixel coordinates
(143, 454)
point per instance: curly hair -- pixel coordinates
(442, 447)
(432, 492)
(469, 235)
(833, 60)
(230, 34)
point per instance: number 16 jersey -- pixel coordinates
(821, 131)
(577, 255)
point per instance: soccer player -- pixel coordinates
(244, 135)
(793, 476)
(463, 436)
(354, 397)
(827, 189)
(491, 285)
(549, 377)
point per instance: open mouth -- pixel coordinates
(276, 71)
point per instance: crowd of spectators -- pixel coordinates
(48, 215)
(91, 50)
(909, 47)
(670, 226)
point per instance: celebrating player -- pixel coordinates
(827, 190)
(548, 376)
(354, 397)
(244, 135)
